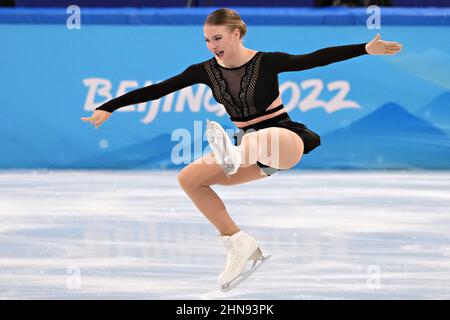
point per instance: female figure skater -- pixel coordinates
(245, 81)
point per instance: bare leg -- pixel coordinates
(196, 180)
(276, 147)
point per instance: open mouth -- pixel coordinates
(219, 53)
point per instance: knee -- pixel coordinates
(297, 153)
(184, 178)
(288, 151)
(190, 177)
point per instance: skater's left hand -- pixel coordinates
(377, 46)
(97, 118)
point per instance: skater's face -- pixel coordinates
(219, 38)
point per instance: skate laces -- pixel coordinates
(232, 256)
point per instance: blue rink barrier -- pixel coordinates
(372, 112)
(207, 3)
(252, 16)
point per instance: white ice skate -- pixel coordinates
(227, 155)
(241, 249)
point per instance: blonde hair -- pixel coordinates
(229, 18)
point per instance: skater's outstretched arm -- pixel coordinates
(188, 77)
(283, 62)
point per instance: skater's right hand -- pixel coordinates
(97, 118)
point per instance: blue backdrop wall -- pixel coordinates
(371, 111)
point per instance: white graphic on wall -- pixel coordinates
(193, 98)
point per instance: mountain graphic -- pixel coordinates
(26, 138)
(155, 153)
(390, 137)
(438, 112)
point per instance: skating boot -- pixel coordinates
(241, 249)
(227, 155)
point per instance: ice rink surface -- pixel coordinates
(136, 235)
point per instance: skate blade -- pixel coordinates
(243, 276)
